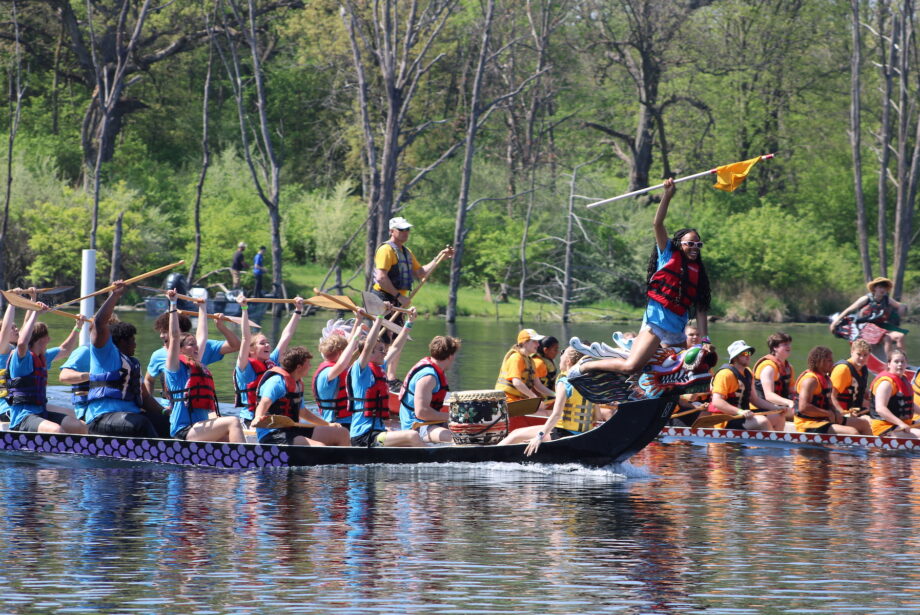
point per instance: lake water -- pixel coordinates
(680, 529)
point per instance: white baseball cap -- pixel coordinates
(399, 223)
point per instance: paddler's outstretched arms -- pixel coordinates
(173, 342)
(288, 334)
(346, 357)
(100, 333)
(242, 358)
(6, 329)
(661, 233)
(25, 334)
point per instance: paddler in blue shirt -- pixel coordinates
(195, 414)
(214, 350)
(118, 405)
(9, 336)
(28, 379)
(75, 372)
(369, 394)
(425, 389)
(256, 356)
(281, 393)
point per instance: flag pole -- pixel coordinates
(650, 188)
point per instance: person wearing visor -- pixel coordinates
(733, 392)
(518, 376)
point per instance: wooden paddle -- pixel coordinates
(711, 420)
(162, 292)
(677, 415)
(417, 424)
(51, 290)
(221, 317)
(350, 305)
(269, 300)
(276, 421)
(375, 305)
(22, 302)
(523, 407)
(137, 278)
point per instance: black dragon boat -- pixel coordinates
(633, 427)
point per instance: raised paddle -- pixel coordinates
(51, 290)
(375, 305)
(350, 305)
(160, 291)
(129, 281)
(523, 407)
(437, 261)
(269, 300)
(22, 302)
(221, 317)
(711, 420)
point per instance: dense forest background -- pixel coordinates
(305, 125)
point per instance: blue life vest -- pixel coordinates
(123, 383)
(31, 389)
(400, 274)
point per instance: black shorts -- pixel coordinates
(182, 434)
(4, 417)
(33, 421)
(247, 423)
(126, 424)
(557, 433)
(735, 424)
(368, 439)
(822, 429)
(286, 435)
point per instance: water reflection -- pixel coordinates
(685, 528)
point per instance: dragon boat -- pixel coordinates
(785, 439)
(633, 427)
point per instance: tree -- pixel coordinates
(16, 91)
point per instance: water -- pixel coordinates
(680, 529)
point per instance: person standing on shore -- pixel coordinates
(238, 264)
(258, 270)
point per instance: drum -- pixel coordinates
(478, 417)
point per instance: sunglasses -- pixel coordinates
(745, 353)
(692, 244)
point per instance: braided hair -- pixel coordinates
(703, 294)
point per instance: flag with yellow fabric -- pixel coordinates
(730, 176)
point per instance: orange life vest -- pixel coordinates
(819, 399)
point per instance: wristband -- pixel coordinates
(540, 435)
(77, 327)
(298, 312)
(173, 304)
(244, 307)
(408, 325)
(706, 340)
(173, 311)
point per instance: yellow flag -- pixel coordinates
(732, 175)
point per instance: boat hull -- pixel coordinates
(757, 438)
(627, 432)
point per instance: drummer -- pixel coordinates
(571, 413)
(426, 387)
(517, 378)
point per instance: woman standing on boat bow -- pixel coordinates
(677, 285)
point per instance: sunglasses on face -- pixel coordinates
(692, 244)
(746, 353)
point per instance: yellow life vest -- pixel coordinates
(504, 383)
(4, 382)
(577, 414)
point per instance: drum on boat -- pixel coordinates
(478, 417)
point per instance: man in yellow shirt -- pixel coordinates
(395, 268)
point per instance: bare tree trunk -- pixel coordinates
(523, 249)
(887, 68)
(568, 259)
(269, 166)
(205, 161)
(55, 111)
(115, 271)
(856, 141)
(16, 92)
(467, 172)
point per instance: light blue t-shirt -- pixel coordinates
(361, 381)
(102, 360)
(326, 389)
(659, 315)
(157, 363)
(79, 362)
(406, 415)
(246, 376)
(274, 389)
(23, 367)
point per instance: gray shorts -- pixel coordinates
(668, 338)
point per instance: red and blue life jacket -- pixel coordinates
(339, 403)
(675, 285)
(289, 404)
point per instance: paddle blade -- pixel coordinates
(523, 407)
(20, 301)
(329, 304)
(373, 304)
(712, 420)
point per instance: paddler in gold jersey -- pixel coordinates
(517, 378)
